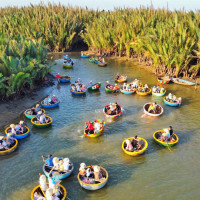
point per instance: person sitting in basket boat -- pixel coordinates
(48, 161)
(51, 190)
(89, 128)
(90, 84)
(34, 110)
(10, 140)
(153, 108)
(146, 88)
(43, 119)
(91, 175)
(167, 135)
(133, 145)
(3, 144)
(116, 87)
(17, 129)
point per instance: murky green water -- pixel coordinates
(158, 174)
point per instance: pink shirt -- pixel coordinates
(54, 99)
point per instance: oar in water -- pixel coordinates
(169, 147)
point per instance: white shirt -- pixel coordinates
(97, 126)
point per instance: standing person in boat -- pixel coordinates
(48, 161)
(134, 142)
(171, 131)
(118, 108)
(58, 77)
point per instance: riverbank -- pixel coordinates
(11, 110)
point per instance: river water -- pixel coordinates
(158, 174)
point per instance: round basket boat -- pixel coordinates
(159, 94)
(41, 125)
(39, 190)
(135, 153)
(170, 103)
(128, 92)
(65, 79)
(96, 134)
(56, 104)
(100, 64)
(95, 86)
(164, 80)
(60, 176)
(19, 136)
(95, 186)
(138, 91)
(111, 91)
(158, 133)
(159, 109)
(78, 93)
(112, 116)
(122, 79)
(67, 65)
(12, 148)
(27, 115)
(85, 56)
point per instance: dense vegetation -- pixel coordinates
(21, 65)
(167, 40)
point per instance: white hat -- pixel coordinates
(12, 126)
(83, 165)
(1, 137)
(21, 122)
(55, 160)
(66, 160)
(37, 105)
(96, 168)
(40, 112)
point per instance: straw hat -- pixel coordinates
(21, 122)
(115, 84)
(49, 192)
(55, 160)
(83, 165)
(96, 168)
(1, 137)
(107, 82)
(37, 105)
(43, 178)
(12, 126)
(53, 95)
(40, 112)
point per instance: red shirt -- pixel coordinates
(90, 126)
(57, 76)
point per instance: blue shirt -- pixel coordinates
(49, 162)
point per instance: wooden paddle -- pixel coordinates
(169, 147)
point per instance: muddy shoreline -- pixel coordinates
(11, 110)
